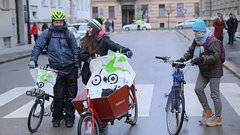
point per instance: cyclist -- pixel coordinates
(211, 70)
(62, 56)
(96, 42)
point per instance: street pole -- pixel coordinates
(28, 23)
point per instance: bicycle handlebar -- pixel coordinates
(171, 61)
(47, 68)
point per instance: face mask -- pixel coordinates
(199, 36)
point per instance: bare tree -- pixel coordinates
(169, 10)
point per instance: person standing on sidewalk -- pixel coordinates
(230, 29)
(62, 56)
(34, 31)
(210, 70)
(112, 26)
(236, 26)
(219, 25)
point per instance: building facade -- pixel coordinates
(159, 13)
(17, 17)
(209, 9)
(13, 26)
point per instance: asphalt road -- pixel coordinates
(153, 81)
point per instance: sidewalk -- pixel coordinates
(232, 52)
(10, 54)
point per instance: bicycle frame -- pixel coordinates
(178, 81)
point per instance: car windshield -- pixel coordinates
(82, 27)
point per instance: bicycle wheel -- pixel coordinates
(85, 125)
(132, 115)
(36, 115)
(175, 110)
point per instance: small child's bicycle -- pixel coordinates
(175, 107)
(45, 79)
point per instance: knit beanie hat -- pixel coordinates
(96, 24)
(199, 25)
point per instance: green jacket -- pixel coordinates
(212, 66)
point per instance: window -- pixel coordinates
(94, 12)
(196, 9)
(60, 3)
(52, 3)
(111, 12)
(144, 11)
(180, 9)
(4, 4)
(162, 10)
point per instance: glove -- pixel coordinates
(79, 72)
(89, 59)
(129, 54)
(31, 64)
(179, 65)
(197, 61)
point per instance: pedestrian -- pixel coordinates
(236, 26)
(219, 25)
(34, 31)
(107, 26)
(95, 43)
(139, 23)
(62, 56)
(44, 26)
(112, 26)
(230, 29)
(210, 70)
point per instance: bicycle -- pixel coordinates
(42, 76)
(175, 106)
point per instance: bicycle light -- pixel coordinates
(85, 104)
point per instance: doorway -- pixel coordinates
(127, 14)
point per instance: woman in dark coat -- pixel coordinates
(219, 25)
(96, 43)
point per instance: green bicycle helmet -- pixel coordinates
(58, 15)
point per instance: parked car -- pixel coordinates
(82, 29)
(186, 24)
(133, 26)
(76, 34)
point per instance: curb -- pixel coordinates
(227, 64)
(15, 56)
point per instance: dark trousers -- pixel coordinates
(230, 37)
(65, 90)
(35, 37)
(138, 27)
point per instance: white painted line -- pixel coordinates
(23, 111)
(12, 94)
(144, 98)
(231, 92)
(192, 104)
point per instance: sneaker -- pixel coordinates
(206, 114)
(217, 121)
(69, 124)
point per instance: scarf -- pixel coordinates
(201, 38)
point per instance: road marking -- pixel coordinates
(192, 105)
(143, 92)
(230, 91)
(144, 98)
(12, 94)
(23, 111)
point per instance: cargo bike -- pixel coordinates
(110, 94)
